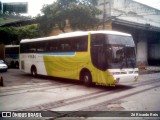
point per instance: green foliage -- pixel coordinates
(30, 31)
(81, 15)
(12, 35)
(7, 35)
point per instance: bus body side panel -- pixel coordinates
(102, 77)
(27, 60)
(66, 66)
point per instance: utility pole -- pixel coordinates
(104, 13)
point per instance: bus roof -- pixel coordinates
(11, 46)
(74, 34)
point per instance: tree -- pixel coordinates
(82, 17)
(13, 35)
(72, 10)
(29, 31)
(7, 35)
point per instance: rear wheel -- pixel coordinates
(86, 78)
(34, 71)
(17, 64)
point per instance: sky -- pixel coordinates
(34, 6)
(152, 3)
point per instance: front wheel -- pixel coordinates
(34, 71)
(86, 78)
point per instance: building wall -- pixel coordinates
(105, 7)
(142, 49)
(129, 10)
(154, 51)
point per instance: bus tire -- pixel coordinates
(33, 71)
(16, 64)
(86, 78)
(12, 64)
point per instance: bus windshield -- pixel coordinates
(113, 51)
(12, 52)
(120, 40)
(12, 55)
(121, 57)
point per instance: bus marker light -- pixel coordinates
(135, 78)
(117, 80)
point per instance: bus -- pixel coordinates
(11, 55)
(100, 57)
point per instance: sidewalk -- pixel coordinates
(149, 70)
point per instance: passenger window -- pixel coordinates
(97, 39)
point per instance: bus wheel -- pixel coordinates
(86, 78)
(17, 64)
(34, 71)
(12, 64)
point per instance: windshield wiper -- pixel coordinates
(132, 63)
(123, 64)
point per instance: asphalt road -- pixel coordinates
(22, 92)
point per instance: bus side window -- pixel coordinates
(98, 53)
(97, 39)
(31, 47)
(61, 46)
(67, 47)
(72, 45)
(41, 47)
(77, 46)
(52, 46)
(21, 48)
(81, 44)
(47, 47)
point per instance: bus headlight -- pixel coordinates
(135, 78)
(117, 80)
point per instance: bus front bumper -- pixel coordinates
(122, 76)
(122, 79)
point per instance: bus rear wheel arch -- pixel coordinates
(16, 64)
(33, 71)
(85, 77)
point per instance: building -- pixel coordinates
(10, 13)
(140, 20)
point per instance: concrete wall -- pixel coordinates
(142, 54)
(130, 10)
(105, 7)
(136, 12)
(154, 51)
(142, 48)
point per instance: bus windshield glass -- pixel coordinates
(121, 56)
(113, 51)
(12, 52)
(120, 40)
(121, 50)
(12, 55)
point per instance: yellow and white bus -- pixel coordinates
(101, 57)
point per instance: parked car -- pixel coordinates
(3, 66)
